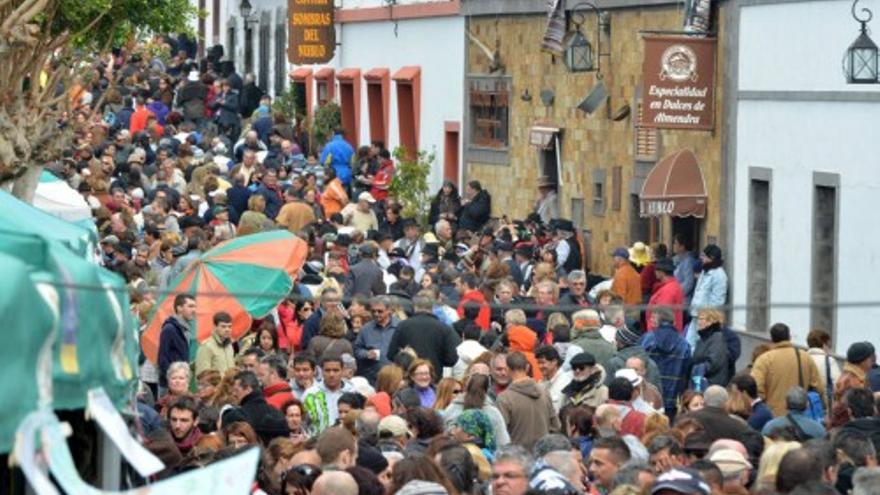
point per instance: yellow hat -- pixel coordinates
(640, 254)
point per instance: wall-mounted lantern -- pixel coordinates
(579, 55)
(860, 64)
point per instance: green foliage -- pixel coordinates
(285, 103)
(119, 21)
(410, 184)
(327, 118)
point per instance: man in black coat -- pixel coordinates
(267, 421)
(864, 422)
(366, 276)
(191, 98)
(227, 107)
(250, 95)
(174, 337)
(429, 337)
(718, 424)
(476, 211)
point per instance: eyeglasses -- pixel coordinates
(456, 391)
(579, 367)
(304, 470)
(507, 476)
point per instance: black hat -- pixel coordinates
(858, 352)
(665, 265)
(431, 249)
(191, 221)
(713, 252)
(311, 279)
(408, 398)
(367, 250)
(343, 240)
(370, 458)
(504, 246)
(583, 359)
(564, 225)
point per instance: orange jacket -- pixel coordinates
(477, 297)
(524, 340)
(334, 198)
(627, 284)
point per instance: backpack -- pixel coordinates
(815, 407)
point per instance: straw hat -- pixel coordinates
(640, 254)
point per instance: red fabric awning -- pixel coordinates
(675, 186)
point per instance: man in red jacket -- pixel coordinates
(666, 293)
(468, 287)
(272, 373)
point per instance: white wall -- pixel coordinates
(435, 44)
(798, 47)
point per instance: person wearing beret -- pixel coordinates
(860, 358)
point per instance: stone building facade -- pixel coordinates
(603, 162)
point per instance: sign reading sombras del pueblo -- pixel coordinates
(312, 38)
(678, 89)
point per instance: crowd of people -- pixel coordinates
(462, 355)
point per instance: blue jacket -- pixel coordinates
(373, 337)
(173, 346)
(812, 428)
(711, 289)
(338, 154)
(761, 414)
(672, 354)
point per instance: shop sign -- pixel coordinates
(679, 82)
(312, 36)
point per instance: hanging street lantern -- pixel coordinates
(860, 64)
(245, 9)
(579, 52)
(579, 56)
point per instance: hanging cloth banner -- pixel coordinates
(555, 33)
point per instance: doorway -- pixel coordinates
(691, 228)
(450, 152)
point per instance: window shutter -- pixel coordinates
(647, 139)
(616, 185)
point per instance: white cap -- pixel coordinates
(365, 196)
(631, 376)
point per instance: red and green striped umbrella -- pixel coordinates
(246, 277)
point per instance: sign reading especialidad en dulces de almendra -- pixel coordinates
(679, 82)
(312, 36)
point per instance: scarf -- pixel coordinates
(476, 423)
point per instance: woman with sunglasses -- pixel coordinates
(292, 316)
(299, 480)
(447, 389)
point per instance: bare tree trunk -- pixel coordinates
(25, 186)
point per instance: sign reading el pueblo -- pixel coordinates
(679, 82)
